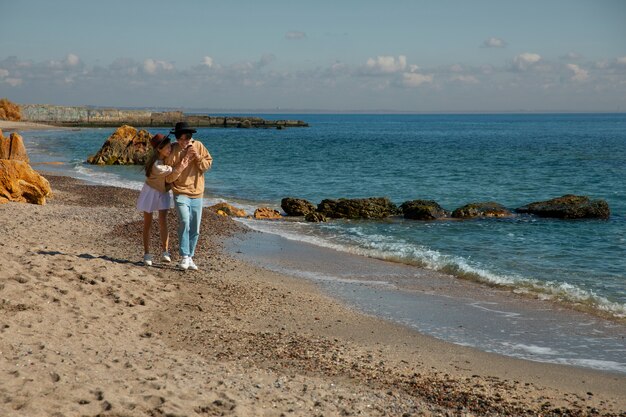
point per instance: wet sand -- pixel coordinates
(85, 329)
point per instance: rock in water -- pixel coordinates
(20, 183)
(358, 208)
(483, 209)
(423, 210)
(315, 217)
(13, 147)
(296, 206)
(126, 146)
(228, 210)
(266, 213)
(568, 207)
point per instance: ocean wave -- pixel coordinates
(356, 241)
(105, 178)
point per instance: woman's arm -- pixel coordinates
(178, 168)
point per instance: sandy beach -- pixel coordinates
(85, 329)
(11, 126)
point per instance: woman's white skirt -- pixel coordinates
(152, 200)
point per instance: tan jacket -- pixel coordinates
(158, 176)
(190, 181)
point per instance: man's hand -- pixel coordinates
(192, 153)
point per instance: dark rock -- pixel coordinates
(482, 209)
(423, 210)
(314, 216)
(245, 124)
(568, 207)
(126, 146)
(358, 208)
(296, 206)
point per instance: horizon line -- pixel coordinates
(335, 111)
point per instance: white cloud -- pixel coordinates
(602, 64)
(151, 66)
(207, 61)
(621, 61)
(3, 73)
(466, 79)
(523, 62)
(13, 82)
(386, 64)
(456, 68)
(72, 60)
(571, 55)
(295, 35)
(579, 73)
(412, 79)
(493, 43)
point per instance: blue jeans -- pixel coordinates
(189, 216)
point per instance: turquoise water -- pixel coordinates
(453, 159)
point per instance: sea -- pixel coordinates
(542, 289)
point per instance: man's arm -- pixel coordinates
(204, 158)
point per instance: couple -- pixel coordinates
(179, 167)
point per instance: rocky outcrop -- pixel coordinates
(423, 210)
(358, 208)
(9, 110)
(107, 117)
(126, 146)
(20, 183)
(568, 207)
(482, 209)
(12, 147)
(296, 206)
(228, 210)
(315, 217)
(266, 213)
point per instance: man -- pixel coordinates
(188, 189)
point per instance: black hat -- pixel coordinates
(182, 127)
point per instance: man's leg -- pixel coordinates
(183, 209)
(194, 223)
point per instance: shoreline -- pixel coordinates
(234, 338)
(440, 305)
(539, 292)
(12, 126)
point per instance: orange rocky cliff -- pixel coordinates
(18, 181)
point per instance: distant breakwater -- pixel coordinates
(81, 116)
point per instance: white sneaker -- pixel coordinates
(166, 257)
(184, 263)
(192, 265)
(147, 259)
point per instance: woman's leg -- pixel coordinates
(147, 225)
(163, 230)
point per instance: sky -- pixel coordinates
(326, 56)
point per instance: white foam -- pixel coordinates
(333, 278)
(390, 248)
(504, 313)
(534, 349)
(106, 178)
